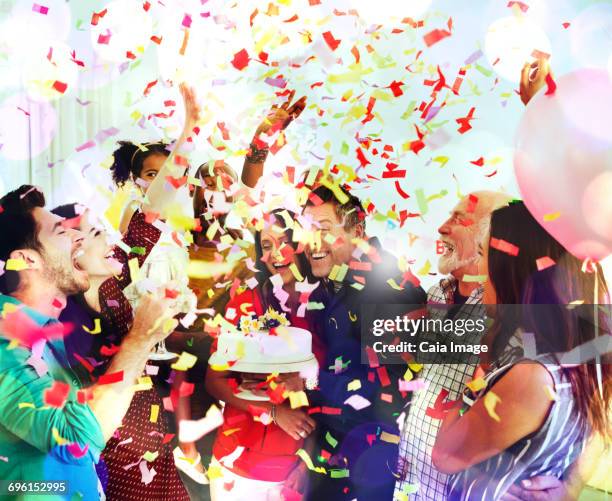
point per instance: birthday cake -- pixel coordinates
(264, 345)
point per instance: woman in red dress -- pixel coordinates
(269, 459)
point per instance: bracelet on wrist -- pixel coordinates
(257, 155)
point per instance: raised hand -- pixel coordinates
(533, 78)
(279, 117)
(192, 109)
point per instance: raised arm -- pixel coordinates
(278, 118)
(158, 197)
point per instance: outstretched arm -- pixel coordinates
(278, 118)
(158, 197)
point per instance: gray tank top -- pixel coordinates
(548, 451)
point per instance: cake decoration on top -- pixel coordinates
(267, 322)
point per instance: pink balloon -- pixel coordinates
(563, 162)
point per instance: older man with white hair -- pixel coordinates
(460, 236)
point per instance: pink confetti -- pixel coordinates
(186, 21)
(544, 262)
(87, 145)
(41, 9)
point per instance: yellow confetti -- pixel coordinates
(96, 329)
(474, 278)
(213, 472)
(490, 401)
(296, 273)
(227, 433)
(551, 217)
(408, 375)
(414, 367)
(185, 361)
(389, 437)
(134, 269)
(306, 458)
(297, 399)
(15, 264)
(58, 439)
(477, 384)
(425, 269)
(354, 385)
(150, 456)
(23, 405)
(394, 284)
(154, 413)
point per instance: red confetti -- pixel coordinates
(333, 411)
(60, 86)
(363, 161)
(566, 25)
(434, 36)
(57, 395)
(156, 39)
(96, 16)
(330, 40)
(551, 85)
(479, 162)
(356, 54)
(396, 88)
(440, 408)
(146, 6)
(503, 246)
(114, 377)
(84, 395)
(383, 376)
(241, 60)
(149, 86)
(465, 122)
(103, 39)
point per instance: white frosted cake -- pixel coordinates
(255, 348)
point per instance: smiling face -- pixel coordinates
(278, 253)
(61, 247)
(97, 256)
(336, 242)
(151, 166)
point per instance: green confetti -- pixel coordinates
(190, 342)
(140, 251)
(331, 440)
(344, 473)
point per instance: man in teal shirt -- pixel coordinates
(51, 429)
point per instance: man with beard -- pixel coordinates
(460, 236)
(356, 271)
(50, 428)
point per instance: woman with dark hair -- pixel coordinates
(528, 417)
(269, 459)
(102, 316)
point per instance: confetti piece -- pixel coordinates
(60, 86)
(154, 413)
(544, 262)
(434, 36)
(331, 440)
(96, 329)
(389, 437)
(414, 385)
(114, 377)
(298, 399)
(357, 402)
(503, 246)
(240, 60)
(76, 450)
(146, 474)
(150, 456)
(186, 361)
(57, 395)
(476, 384)
(551, 217)
(41, 9)
(343, 473)
(480, 279)
(308, 461)
(15, 264)
(490, 401)
(331, 42)
(228, 461)
(354, 385)
(551, 85)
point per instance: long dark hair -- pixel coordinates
(556, 328)
(268, 298)
(129, 157)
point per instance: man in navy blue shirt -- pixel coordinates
(358, 445)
